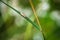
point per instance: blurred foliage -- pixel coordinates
(26, 4)
(55, 4)
(9, 30)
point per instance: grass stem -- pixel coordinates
(35, 14)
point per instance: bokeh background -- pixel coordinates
(15, 27)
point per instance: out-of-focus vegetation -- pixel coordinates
(15, 27)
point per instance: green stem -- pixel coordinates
(34, 24)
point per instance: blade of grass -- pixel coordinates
(34, 24)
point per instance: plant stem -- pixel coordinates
(35, 14)
(34, 24)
